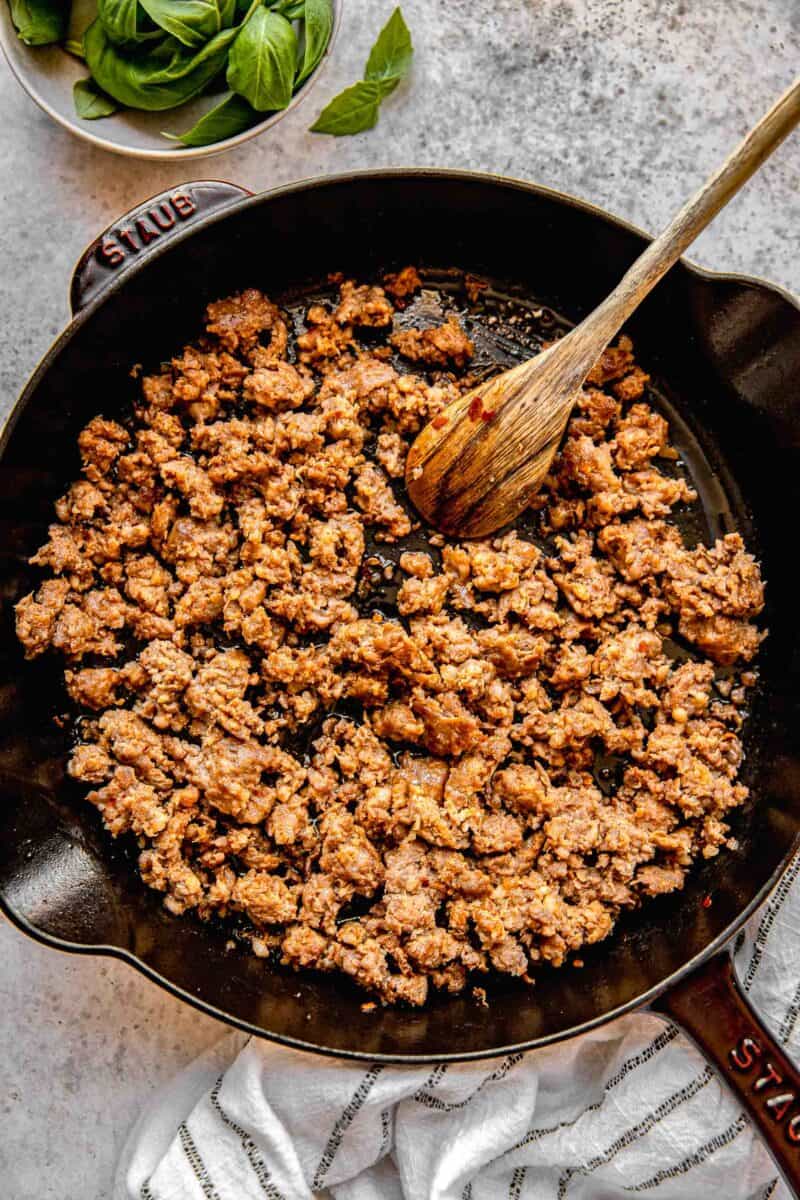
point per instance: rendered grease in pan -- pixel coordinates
(375, 752)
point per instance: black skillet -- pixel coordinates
(725, 353)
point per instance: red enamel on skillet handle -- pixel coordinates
(712, 1008)
(135, 234)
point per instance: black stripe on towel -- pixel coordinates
(517, 1180)
(386, 1130)
(435, 1077)
(636, 1131)
(254, 1157)
(438, 1105)
(196, 1163)
(768, 920)
(666, 1036)
(696, 1159)
(789, 1021)
(342, 1123)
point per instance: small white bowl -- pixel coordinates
(47, 73)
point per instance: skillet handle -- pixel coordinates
(713, 1010)
(131, 237)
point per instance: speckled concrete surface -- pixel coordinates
(625, 102)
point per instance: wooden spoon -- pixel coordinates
(477, 465)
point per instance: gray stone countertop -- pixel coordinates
(627, 103)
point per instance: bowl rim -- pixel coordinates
(170, 153)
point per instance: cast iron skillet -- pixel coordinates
(725, 352)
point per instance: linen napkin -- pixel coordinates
(631, 1109)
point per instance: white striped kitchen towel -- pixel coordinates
(630, 1110)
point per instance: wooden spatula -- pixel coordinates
(476, 466)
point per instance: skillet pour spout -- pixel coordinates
(724, 353)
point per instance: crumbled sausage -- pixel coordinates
(375, 499)
(402, 284)
(277, 386)
(437, 347)
(365, 306)
(390, 765)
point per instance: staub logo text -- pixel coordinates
(779, 1101)
(144, 227)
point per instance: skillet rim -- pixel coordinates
(645, 999)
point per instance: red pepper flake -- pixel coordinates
(476, 408)
(439, 422)
(706, 902)
(487, 416)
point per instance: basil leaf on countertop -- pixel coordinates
(352, 111)
(357, 107)
(390, 58)
(90, 102)
(231, 116)
(157, 79)
(262, 61)
(125, 22)
(40, 22)
(317, 29)
(74, 47)
(192, 22)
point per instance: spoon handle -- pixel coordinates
(696, 213)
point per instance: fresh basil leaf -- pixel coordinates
(244, 8)
(352, 111)
(262, 61)
(231, 116)
(40, 22)
(125, 22)
(74, 47)
(357, 107)
(192, 22)
(156, 79)
(291, 9)
(119, 19)
(390, 58)
(90, 102)
(317, 26)
(162, 51)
